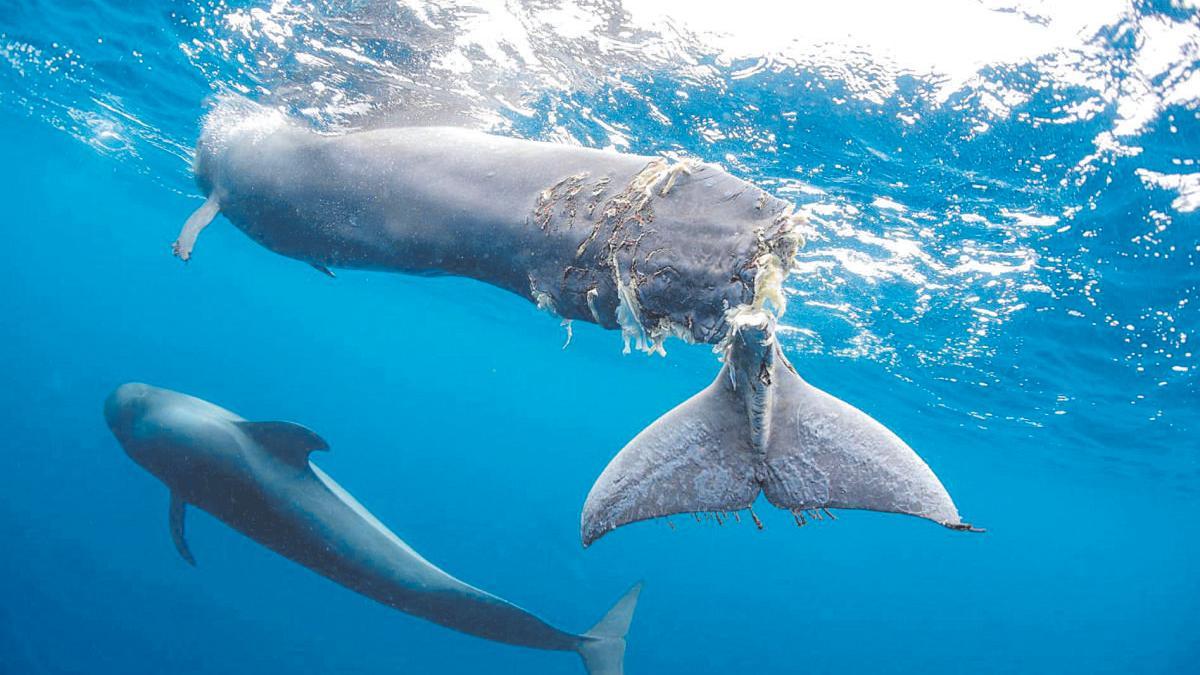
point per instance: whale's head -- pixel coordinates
(233, 122)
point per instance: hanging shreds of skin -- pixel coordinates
(592, 294)
(768, 298)
(629, 316)
(768, 284)
(774, 262)
(546, 303)
(629, 313)
(657, 171)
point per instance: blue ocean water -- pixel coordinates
(1001, 267)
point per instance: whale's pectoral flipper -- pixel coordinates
(288, 441)
(175, 516)
(603, 647)
(195, 223)
(759, 426)
(323, 270)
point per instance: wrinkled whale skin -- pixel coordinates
(556, 224)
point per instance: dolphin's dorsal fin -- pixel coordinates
(287, 441)
(175, 516)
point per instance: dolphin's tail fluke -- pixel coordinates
(761, 428)
(603, 647)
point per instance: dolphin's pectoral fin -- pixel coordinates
(759, 426)
(323, 270)
(175, 516)
(695, 458)
(200, 218)
(287, 441)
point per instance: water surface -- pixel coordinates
(1002, 267)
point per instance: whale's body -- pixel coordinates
(256, 477)
(589, 234)
(625, 241)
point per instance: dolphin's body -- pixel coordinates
(625, 241)
(256, 477)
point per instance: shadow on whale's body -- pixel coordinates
(256, 477)
(631, 243)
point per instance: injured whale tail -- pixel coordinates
(761, 428)
(603, 647)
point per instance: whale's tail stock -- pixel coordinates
(759, 427)
(603, 647)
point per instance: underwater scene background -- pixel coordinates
(1001, 267)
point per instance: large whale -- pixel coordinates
(256, 477)
(629, 242)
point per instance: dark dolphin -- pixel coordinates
(256, 478)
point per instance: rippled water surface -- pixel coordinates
(1003, 204)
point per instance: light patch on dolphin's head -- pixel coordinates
(233, 119)
(125, 407)
(135, 414)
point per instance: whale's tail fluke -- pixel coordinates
(603, 647)
(761, 428)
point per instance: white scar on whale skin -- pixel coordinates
(641, 245)
(256, 477)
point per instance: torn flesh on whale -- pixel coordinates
(772, 260)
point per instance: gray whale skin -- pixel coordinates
(628, 242)
(256, 477)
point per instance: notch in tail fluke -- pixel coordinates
(603, 647)
(759, 427)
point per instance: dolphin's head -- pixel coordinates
(158, 428)
(125, 408)
(130, 412)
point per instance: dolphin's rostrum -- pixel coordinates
(256, 477)
(629, 242)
